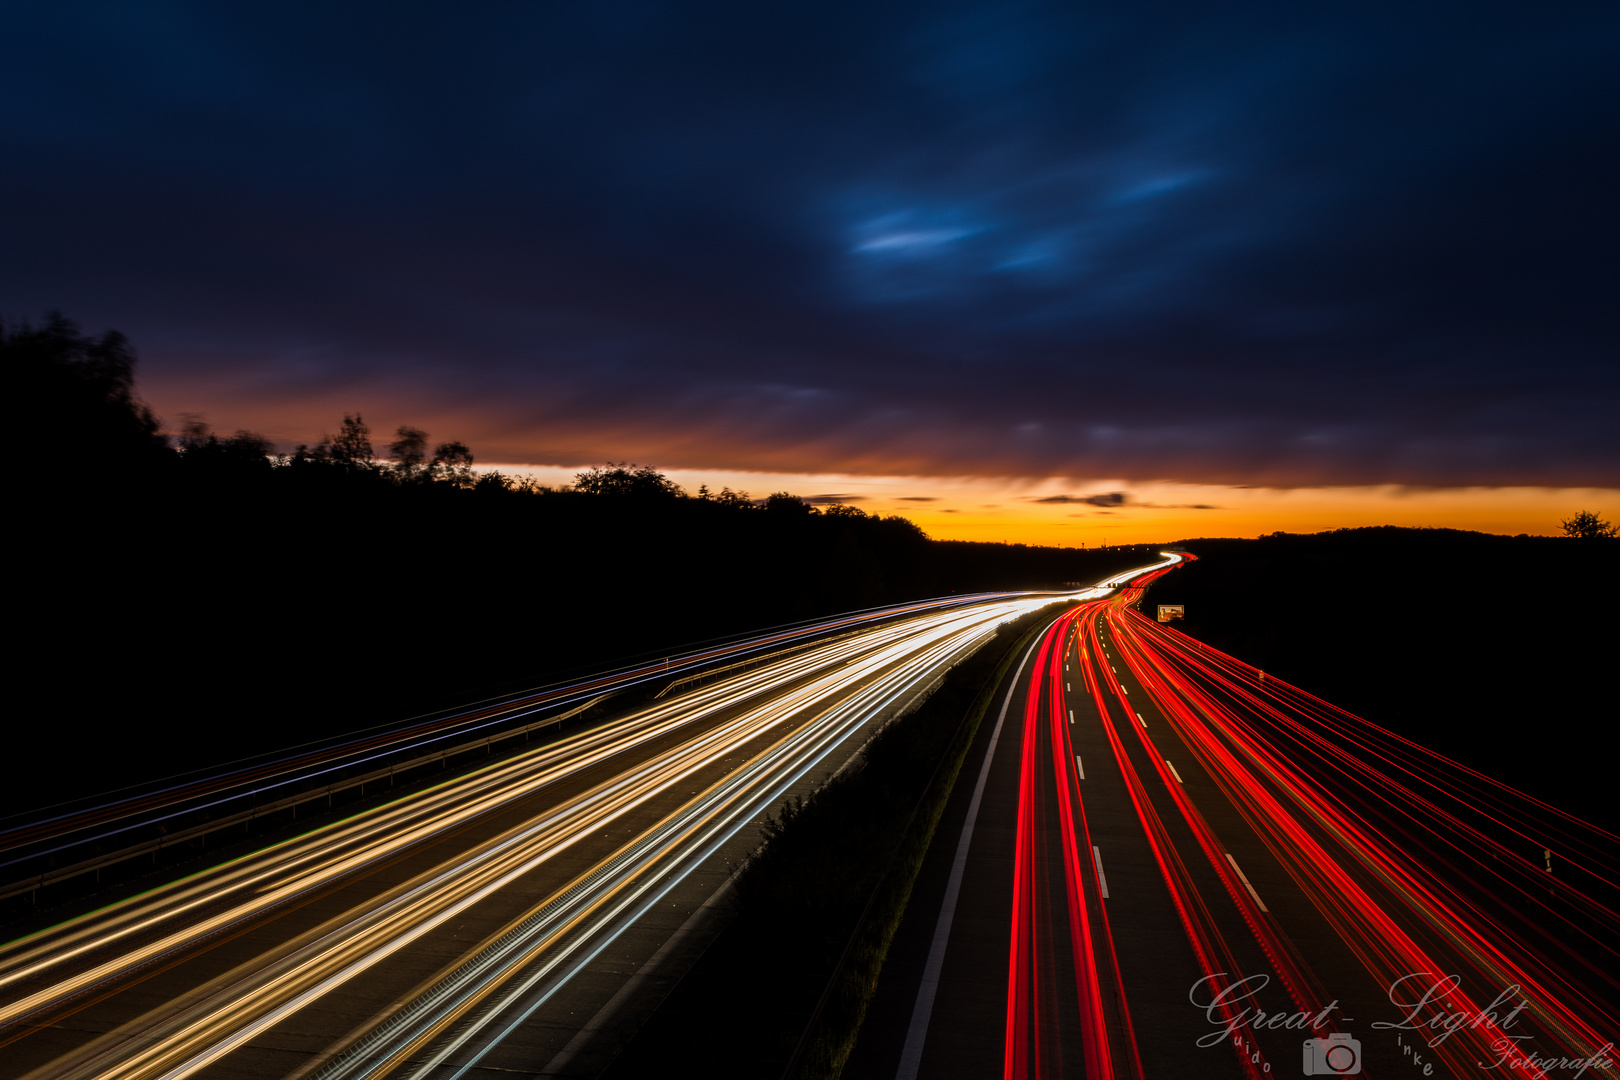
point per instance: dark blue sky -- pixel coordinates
(1270, 243)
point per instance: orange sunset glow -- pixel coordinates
(1123, 512)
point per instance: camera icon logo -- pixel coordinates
(1336, 1055)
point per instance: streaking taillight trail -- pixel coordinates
(1410, 886)
(1418, 865)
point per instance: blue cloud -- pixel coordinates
(1277, 243)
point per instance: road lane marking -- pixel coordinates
(1245, 881)
(1079, 766)
(1071, 716)
(917, 1032)
(643, 974)
(1102, 878)
(1173, 772)
(1140, 720)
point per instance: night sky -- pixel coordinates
(1272, 244)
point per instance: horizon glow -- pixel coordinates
(1010, 510)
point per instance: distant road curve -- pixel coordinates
(458, 924)
(1165, 839)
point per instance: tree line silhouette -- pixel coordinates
(188, 600)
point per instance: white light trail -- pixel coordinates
(784, 719)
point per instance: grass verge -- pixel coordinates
(787, 983)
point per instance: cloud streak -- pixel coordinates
(1116, 500)
(1112, 498)
(1299, 248)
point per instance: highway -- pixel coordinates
(1162, 862)
(1158, 862)
(495, 922)
(33, 851)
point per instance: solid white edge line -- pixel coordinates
(458, 1044)
(634, 983)
(1102, 878)
(917, 1032)
(647, 896)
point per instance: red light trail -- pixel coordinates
(1417, 864)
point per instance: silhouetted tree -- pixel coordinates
(638, 481)
(410, 450)
(244, 453)
(350, 448)
(1587, 525)
(780, 502)
(452, 463)
(80, 395)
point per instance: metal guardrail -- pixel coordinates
(168, 840)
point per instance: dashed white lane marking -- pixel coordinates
(1173, 772)
(1246, 884)
(1071, 716)
(1140, 720)
(1102, 879)
(1079, 766)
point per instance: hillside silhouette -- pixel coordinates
(192, 599)
(186, 600)
(1497, 651)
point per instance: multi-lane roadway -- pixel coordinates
(500, 920)
(1166, 863)
(1158, 862)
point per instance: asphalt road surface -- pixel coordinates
(503, 921)
(1160, 862)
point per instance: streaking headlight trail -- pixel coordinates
(561, 847)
